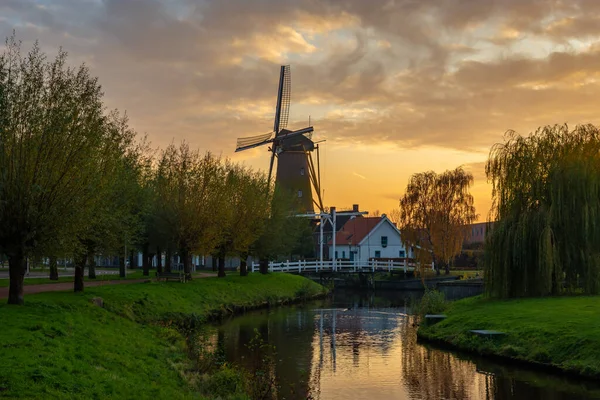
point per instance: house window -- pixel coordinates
(299, 193)
(377, 254)
(344, 254)
(336, 254)
(302, 171)
(402, 254)
(384, 241)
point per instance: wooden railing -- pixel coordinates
(340, 266)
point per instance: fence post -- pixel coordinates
(271, 266)
(432, 266)
(405, 265)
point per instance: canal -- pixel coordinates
(364, 346)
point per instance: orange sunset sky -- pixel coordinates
(394, 87)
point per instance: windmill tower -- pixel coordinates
(296, 171)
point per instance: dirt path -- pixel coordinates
(64, 286)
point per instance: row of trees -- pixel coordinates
(76, 181)
(545, 218)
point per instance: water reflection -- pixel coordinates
(364, 347)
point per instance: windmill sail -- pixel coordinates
(286, 97)
(252, 141)
(282, 111)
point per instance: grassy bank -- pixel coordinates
(60, 345)
(561, 332)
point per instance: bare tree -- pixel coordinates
(394, 216)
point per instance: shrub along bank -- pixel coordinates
(558, 332)
(61, 345)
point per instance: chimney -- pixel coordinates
(355, 207)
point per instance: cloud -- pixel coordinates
(358, 175)
(454, 74)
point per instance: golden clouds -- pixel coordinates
(388, 77)
(273, 46)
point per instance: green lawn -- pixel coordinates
(60, 345)
(560, 331)
(137, 274)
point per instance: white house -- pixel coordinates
(364, 238)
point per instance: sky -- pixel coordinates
(393, 87)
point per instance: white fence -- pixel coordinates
(339, 266)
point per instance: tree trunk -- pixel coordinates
(145, 261)
(53, 269)
(264, 266)
(132, 260)
(184, 255)
(168, 260)
(221, 273)
(122, 272)
(16, 271)
(79, 265)
(91, 265)
(244, 264)
(159, 268)
(436, 266)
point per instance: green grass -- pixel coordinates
(562, 332)
(59, 345)
(39, 281)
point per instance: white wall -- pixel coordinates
(343, 251)
(372, 243)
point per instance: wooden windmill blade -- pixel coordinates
(250, 142)
(284, 97)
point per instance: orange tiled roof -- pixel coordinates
(355, 230)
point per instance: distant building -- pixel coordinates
(476, 233)
(369, 237)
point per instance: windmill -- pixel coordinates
(293, 149)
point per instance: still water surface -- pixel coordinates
(362, 346)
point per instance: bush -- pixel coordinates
(432, 302)
(225, 383)
(305, 291)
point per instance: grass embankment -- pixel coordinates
(560, 332)
(60, 345)
(5, 282)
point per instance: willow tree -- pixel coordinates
(281, 231)
(51, 131)
(116, 220)
(434, 213)
(243, 211)
(190, 189)
(546, 208)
